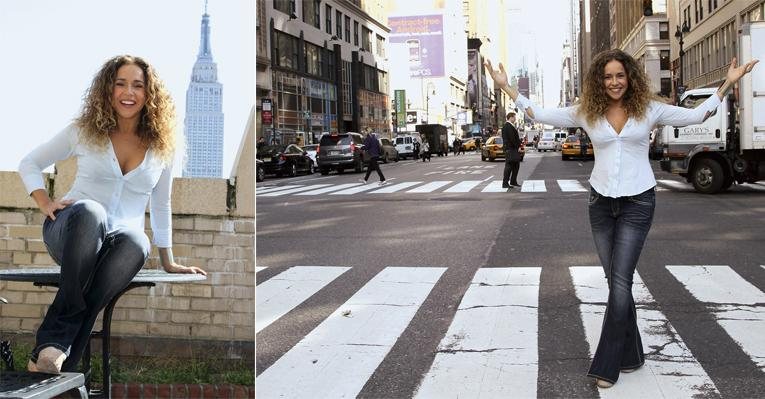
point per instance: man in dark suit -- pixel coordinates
(512, 146)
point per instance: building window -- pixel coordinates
(286, 50)
(285, 6)
(339, 24)
(663, 30)
(380, 46)
(311, 13)
(312, 59)
(328, 18)
(317, 14)
(355, 33)
(664, 60)
(347, 29)
(366, 42)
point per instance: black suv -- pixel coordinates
(340, 151)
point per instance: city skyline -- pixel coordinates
(57, 48)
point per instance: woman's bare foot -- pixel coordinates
(50, 360)
(603, 383)
(31, 366)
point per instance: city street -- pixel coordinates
(443, 284)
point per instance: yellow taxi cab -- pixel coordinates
(570, 148)
(494, 148)
(468, 144)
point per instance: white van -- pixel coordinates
(405, 144)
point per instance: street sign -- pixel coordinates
(266, 115)
(307, 114)
(400, 101)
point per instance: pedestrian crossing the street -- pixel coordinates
(490, 349)
(463, 186)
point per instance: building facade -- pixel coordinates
(203, 123)
(328, 70)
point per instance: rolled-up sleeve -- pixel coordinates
(58, 148)
(560, 117)
(160, 209)
(679, 116)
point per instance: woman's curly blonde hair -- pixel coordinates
(595, 100)
(157, 122)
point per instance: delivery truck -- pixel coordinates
(728, 147)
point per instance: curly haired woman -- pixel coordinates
(124, 142)
(618, 111)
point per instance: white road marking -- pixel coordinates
(275, 188)
(490, 349)
(430, 187)
(463, 186)
(659, 377)
(533, 186)
(280, 294)
(293, 190)
(738, 306)
(571, 186)
(392, 188)
(356, 190)
(675, 185)
(494, 187)
(337, 358)
(328, 189)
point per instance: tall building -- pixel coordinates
(203, 124)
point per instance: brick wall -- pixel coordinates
(209, 231)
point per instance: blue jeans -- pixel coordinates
(619, 227)
(95, 266)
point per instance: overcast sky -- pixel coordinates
(52, 48)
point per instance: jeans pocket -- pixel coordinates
(646, 198)
(593, 198)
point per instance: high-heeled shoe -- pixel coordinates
(629, 370)
(50, 360)
(603, 383)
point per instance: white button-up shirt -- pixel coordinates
(99, 178)
(622, 167)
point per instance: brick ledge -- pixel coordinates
(173, 391)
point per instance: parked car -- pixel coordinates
(310, 150)
(389, 151)
(284, 159)
(339, 151)
(260, 172)
(494, 148)
(546, 142)
(571, 148)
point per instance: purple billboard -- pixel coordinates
(424, 37)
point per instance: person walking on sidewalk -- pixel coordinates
(124, 143)
(512, 146)
(617, 110)
(372, 149)
(425, 150)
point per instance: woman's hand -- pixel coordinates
(735, 73)
(499, 77)
(52, 207)
(176, 268)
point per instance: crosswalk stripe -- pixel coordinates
(328, 189)
(571, 186)
(290, 288)
(727, 295)
(494, 187)
(294, 190)
(533, 186)
(395, 187)
(355, 190)
(658, 377)
(337, 358)
(676, 185)
(275, 188)
(490, 349)
(463, 186)
(754, 186)
(427, 188)
(259, 268)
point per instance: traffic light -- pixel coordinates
(647, 8)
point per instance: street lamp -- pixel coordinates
(427, 100)
(679, 36)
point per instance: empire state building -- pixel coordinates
(203, 124)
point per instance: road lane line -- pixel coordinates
(675, 185)
(280, 294)
(328, 189)
(490, 349)
(337, 358)
(276, 188)
(738, 306)
(463, 186)
(533, 186)
(494, 187)
(430, 187)
(355, 190)
(659, 377)
(571, 186)
(293, 190)
(392, 188)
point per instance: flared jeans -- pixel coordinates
(619, 227)
(95, 266)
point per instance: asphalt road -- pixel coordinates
(464, 232)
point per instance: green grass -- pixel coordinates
(161, 371)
